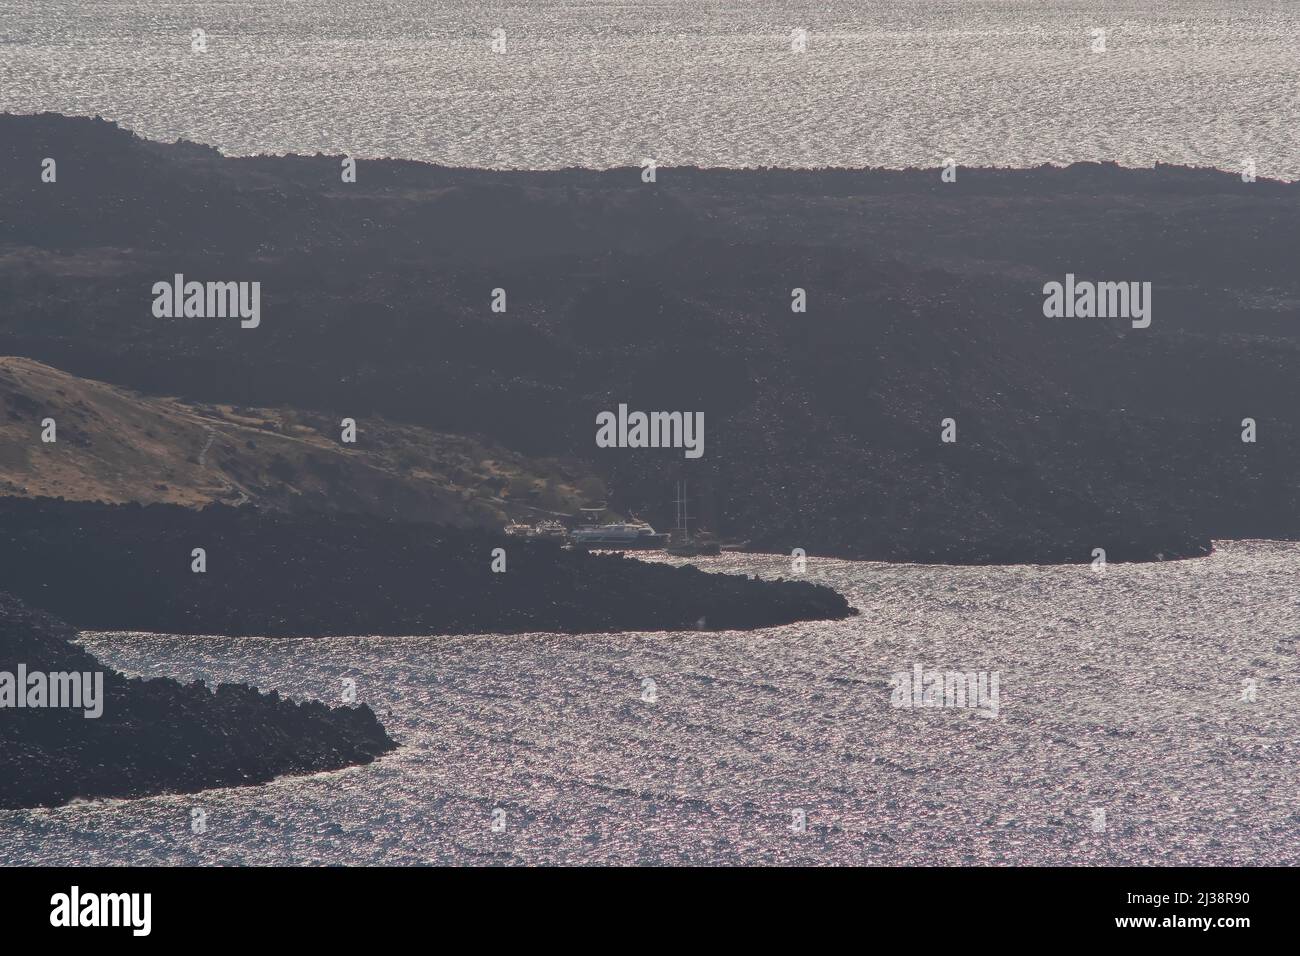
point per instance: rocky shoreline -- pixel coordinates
(128, 567)
(156, 735)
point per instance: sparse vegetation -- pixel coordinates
(296, 462)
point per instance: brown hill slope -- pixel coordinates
(115, 445)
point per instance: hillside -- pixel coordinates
(115, 445)
(823, 428)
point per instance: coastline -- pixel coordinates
(557, 731)
(157, 735)
(824, 426)
(575, 435)
(132, 568)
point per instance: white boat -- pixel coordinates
(618, 536)
(551, 530)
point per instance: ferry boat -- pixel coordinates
(619, 536)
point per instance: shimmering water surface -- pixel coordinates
(592, 83)
(1120, 691)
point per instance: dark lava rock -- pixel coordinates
(129, 567)
(157, 735)
(823, 429)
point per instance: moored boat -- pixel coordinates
(682, 543)
(620, 535)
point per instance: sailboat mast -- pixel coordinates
(683, 512)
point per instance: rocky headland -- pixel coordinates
(152, 735)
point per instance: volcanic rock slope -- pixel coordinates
(924, 302)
